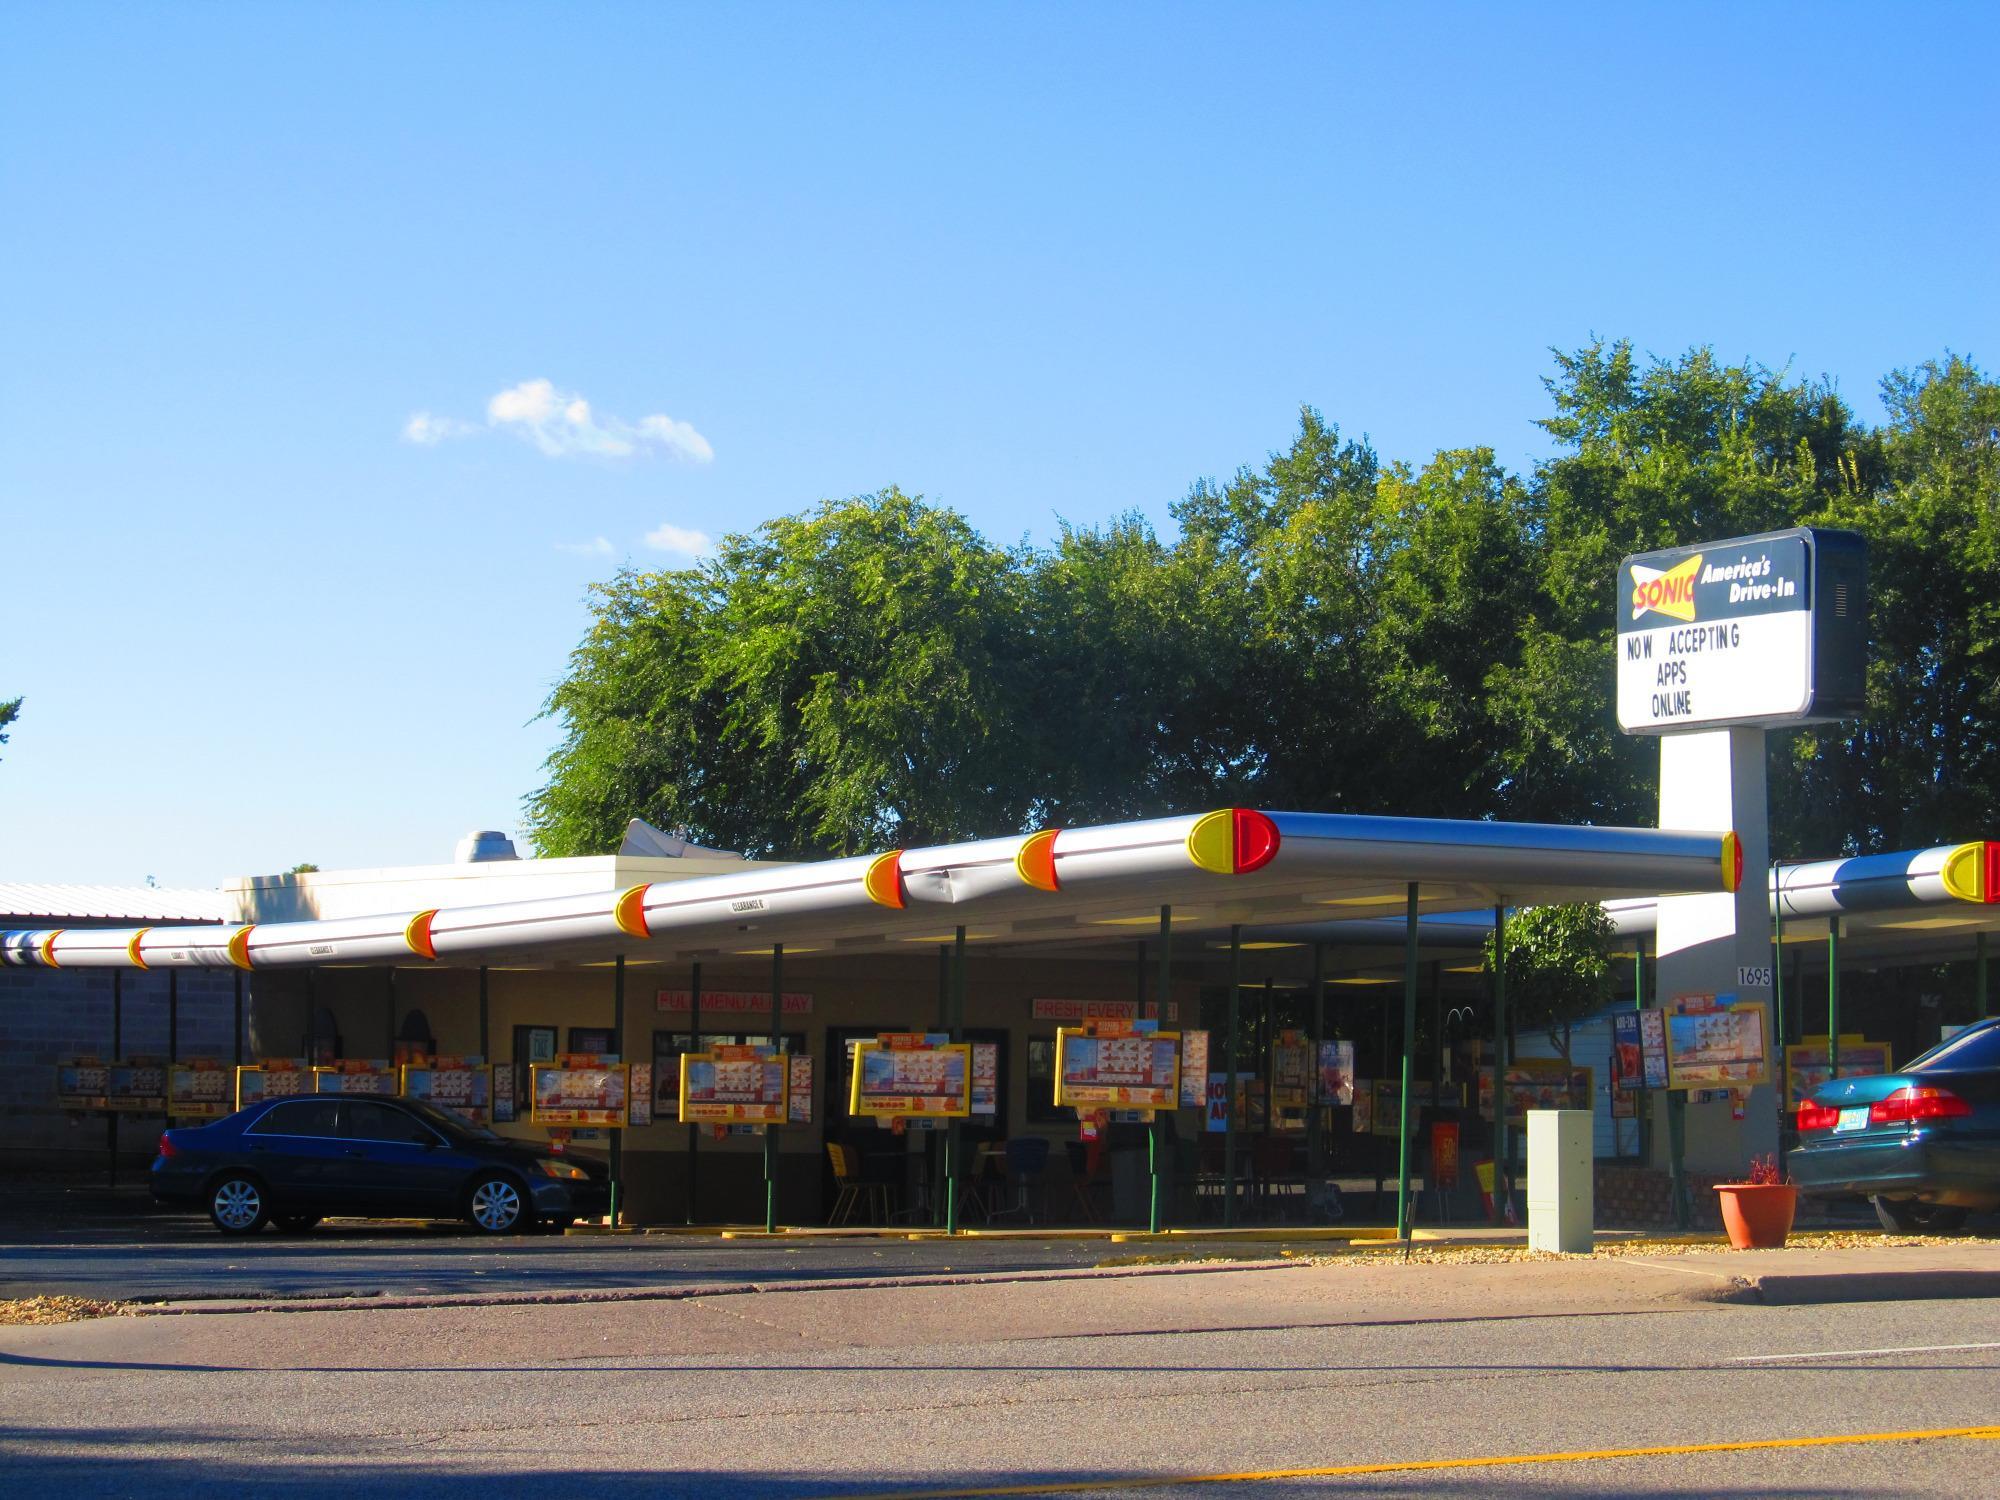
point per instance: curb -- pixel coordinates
(1808, 1289)
(700, 1289)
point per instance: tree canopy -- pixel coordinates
(1328, 630)
(9, 712)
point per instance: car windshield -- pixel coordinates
(1974, 1047)
(450, 1121)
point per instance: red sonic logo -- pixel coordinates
(1668, 593)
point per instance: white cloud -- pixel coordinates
(667, 537)
(562, 425)
(430, 430)
(597, 546)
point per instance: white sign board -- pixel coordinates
(1721, 634)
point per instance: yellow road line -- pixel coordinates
(1408, 1466)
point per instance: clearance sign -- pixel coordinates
(1762, 629)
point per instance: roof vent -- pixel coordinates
(483, 847)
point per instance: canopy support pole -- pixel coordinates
(117, 1048)
(771, 1131)
(694, 1045)
(1229, 1079)
(1502, 1189)
(239, 1016)
(955, 1025)
(618, 1131)
(389, 1005)
(1979, 976)
(485, 1018)
(1162, 986)
(1833, 997)
(1404, 1126)
(173, 1015)
(1315, 1121)
(1645, 1110)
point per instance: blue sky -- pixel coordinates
(1035, 262)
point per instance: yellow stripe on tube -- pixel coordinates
(1035, 860)
(884, 880)
(239, 947)
(134, 952)
(417, 933)
(630, 912)
(1964, 873)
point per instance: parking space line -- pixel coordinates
(1411, 1466)
(1754, 1359)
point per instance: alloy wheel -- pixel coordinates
(238, 1204)
(496, 1206)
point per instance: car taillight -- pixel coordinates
(167, 1146)
(1817, 1116)
(1917, 1102)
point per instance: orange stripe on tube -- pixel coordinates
(884, 880)
(133, 950)
(49, 949)
(239, 947)
(1035, 860)
(418, 934)
(630, 912)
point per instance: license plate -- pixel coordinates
(1852, 1119)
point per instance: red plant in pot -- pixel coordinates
(1758, 1213)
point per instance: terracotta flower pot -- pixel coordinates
(1757, 1215)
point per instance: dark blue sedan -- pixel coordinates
(293, 1162)
(1923, 1143)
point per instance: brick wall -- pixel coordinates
(47, 1015)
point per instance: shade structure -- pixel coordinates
(1234, 865)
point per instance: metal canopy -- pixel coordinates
(1232, 867)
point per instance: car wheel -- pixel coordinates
(295, 1223)
(237, 1205)
(1903, 1217)
(495, 1206)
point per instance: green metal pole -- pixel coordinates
(1832, 997)
(694, 1045)
(957, 1023)
(1403, 1225)
(117, 1055)
(485, 1056)
(1316, 1121)
(1162, 986)
(389, 1002)
(771, 1131)
(1676, 1155)
(1229, 1080)
(1645, 1112)
(1979, 974)
(173, 1016)
(1777, 1040)
(617, 1041)
(1500, 1062)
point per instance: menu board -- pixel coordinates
(1714, 1043)
(639, 1108)
(1537, 1083)
(1806, 1065)
(1111, 1064)
(1194, 1069)
(579, 1088)
(356, 1075)
(800, 1106)
(1387, 1115)
(985, 1078)
(1291, 1073)
(1638, 1049)
(198, 1090)
(137, 1087)
(734, 1086)
(81, 1083)
(463, 1085)
(273, 1078)
(920, 1074)
(504, 1109)
(1336, 1072)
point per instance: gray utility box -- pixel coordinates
(1561, 1206)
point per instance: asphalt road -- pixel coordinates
(1043, 1384)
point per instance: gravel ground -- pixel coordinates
(37, 1310)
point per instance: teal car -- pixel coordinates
(1922, 1144)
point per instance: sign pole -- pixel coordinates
(1229, 1080)
(694, 1045)
(239, 1018)
(173, 1015)
(1403, 1225)
(1316, 1121)
(771, 1131)
(618, 1040)
(1502, 1191)
(1833, 997)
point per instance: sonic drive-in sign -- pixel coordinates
(1766, 629)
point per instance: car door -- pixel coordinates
(297, 1147)
(398, 1165)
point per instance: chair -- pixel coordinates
(855, 1190)
(1027, 1160)
(1086, 1161)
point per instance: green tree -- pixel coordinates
(9, 712)
(1558, 968)
(829, 683)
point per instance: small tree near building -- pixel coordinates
(1558, 968)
